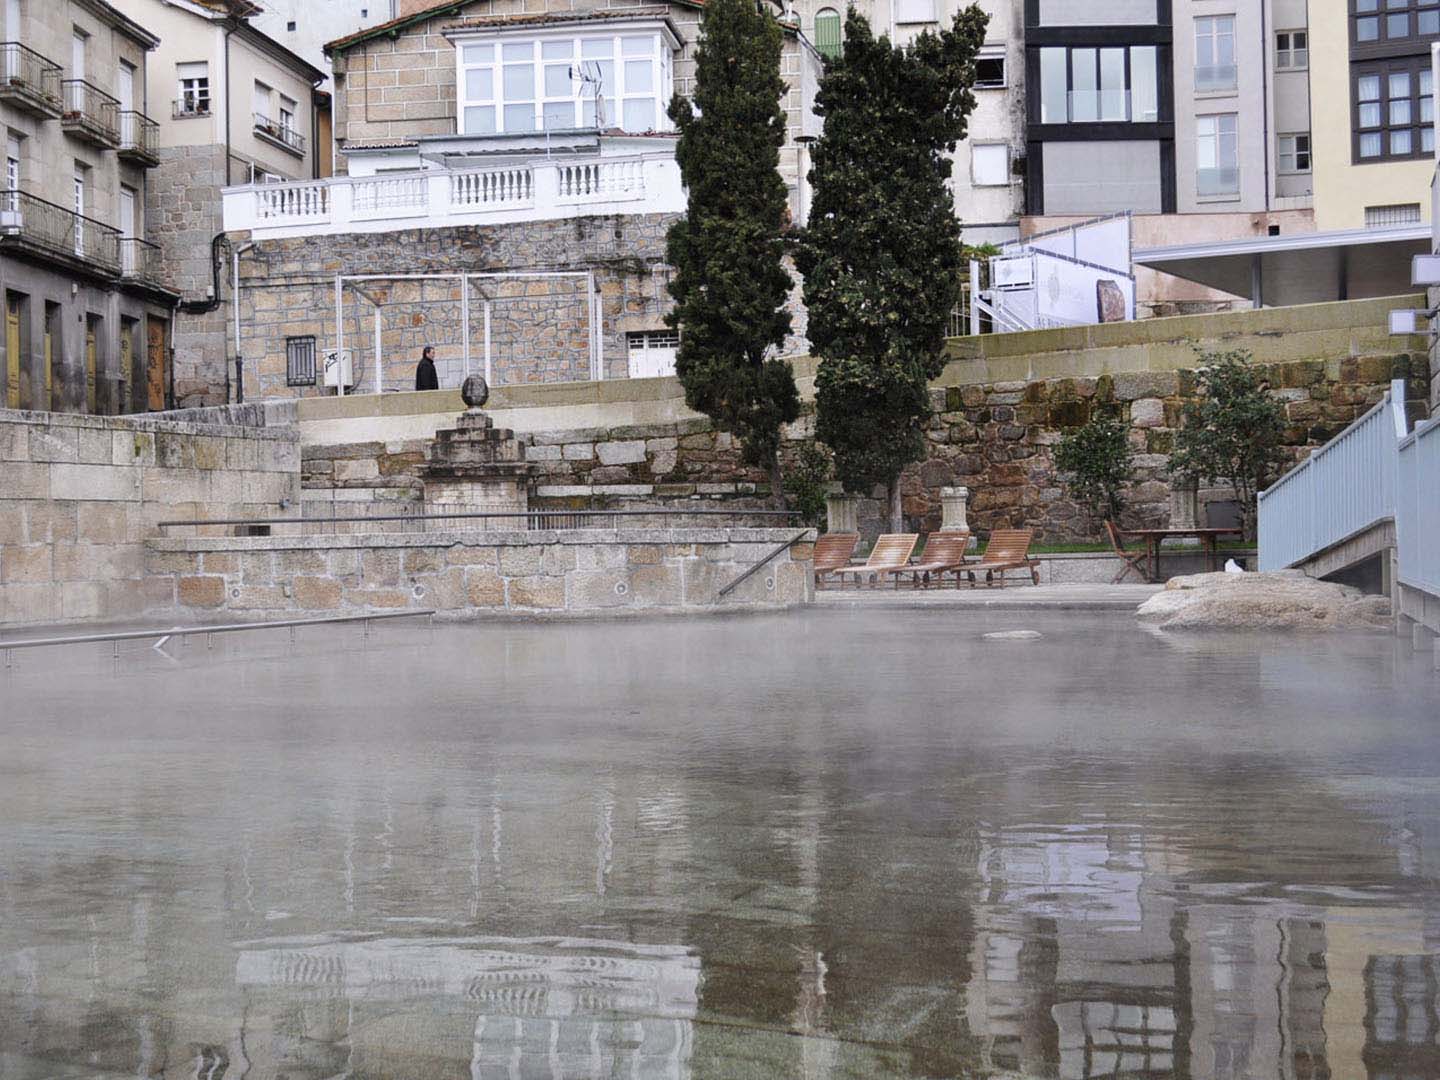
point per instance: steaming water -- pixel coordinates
(828, 844)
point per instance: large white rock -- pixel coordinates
(1280, 600)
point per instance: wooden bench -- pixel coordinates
(891, 552)
(944, 553)
(833, 552)
(1007, 549)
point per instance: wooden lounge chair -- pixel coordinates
(1132, 560)
(1008, 549)
(832, 553)
(891, 552)
(944, 553)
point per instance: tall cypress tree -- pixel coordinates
(729, 284)
(882, 255)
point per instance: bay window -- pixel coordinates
(1394, 113)
(563, 82)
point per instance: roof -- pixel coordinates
(1299, 268)
(122, 22)
(393, 27)
(547, 18)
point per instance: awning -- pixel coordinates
(1299, 268)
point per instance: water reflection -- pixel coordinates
(783, 865)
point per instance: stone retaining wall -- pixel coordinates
(537, 573)
(79, 495)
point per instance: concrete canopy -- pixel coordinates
(1302, 268)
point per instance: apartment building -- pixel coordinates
(87, 316)
(233, 107)
(304, 26)
(1374, 161)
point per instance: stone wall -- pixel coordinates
(535, 573)
(80, 495)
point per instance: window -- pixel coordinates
(1292, 50)
(80, 185)
(914, 11)
(1375, 21)
(263, 114)
(990, 164)
(560, 83)
(1214, 53)
(828, 26)
(990, 70)
(1098, 85)
(290, 26)
(77, 53)
(12, 20)
(287, 114)
(1399, 214)
(12, 172)
(651, 353)
(1394, 110)
(194, 83)
(1295, 153)
(300, 361)
(1217, 168)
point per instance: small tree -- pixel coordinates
(730, 285)
(809, 481)
(1232, 433)
(881, 256)
(1096, 461)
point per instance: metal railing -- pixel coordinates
(139, 259)
(190, 105)
(1343, 488)
(92, 109)
(139, 135)
(1417, 508)
(281, 132)
(25, 72)
(55, 229)
(529, 520)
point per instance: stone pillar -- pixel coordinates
(476, 467)
(953, 502)
(1184, 505)
(842, 513)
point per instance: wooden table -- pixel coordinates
(1155, 537)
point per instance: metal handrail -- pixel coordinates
(786, 546)
(138, 133)
(526, 515)
(283, 132)
(164, 635)
(23, 67)
(85, 100)
(60, 229)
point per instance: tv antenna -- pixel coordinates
(587, 73)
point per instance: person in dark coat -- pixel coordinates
(425, 377)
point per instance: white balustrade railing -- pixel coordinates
(1341, 489)
(435, 198)
(1417, 508)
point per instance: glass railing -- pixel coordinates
(1213, 77)
(1099, 106)
(1224, 180)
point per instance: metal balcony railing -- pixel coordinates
(1224, 180)
(91, 112)
(139, 136)
(190, 105)
(29, 80)
(36, 223)
(280, 132)
(139, 259)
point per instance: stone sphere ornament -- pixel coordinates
(475, 391)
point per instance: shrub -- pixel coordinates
(1095, 463)
(808, 481)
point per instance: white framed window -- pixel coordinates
(990, 164)
(651, 353)
(12, 172)
(80, 192)
(914, 11)
(12, 20)
(558, 82)
(1295, 153)
(990, 71)
(78, 41)
(1214, 53)
(1217, 166)
(287, 113)
(262, 106)
(193, 88)
(1292, 50)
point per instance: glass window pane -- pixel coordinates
(519, 82)
(1370, 115)
(557, 81)
(637, 46)
(1427, 81)
(1427, 140)
(587, 113)
(1399, 112)
(1367, 88)
(480, 84)
(1225, 40)
(521, 50)
(559, 114)
(1400, 142)
(1397, 26)
(1427, 110)
(1144, 91)
(1400, 84)
(1053, 89)
(639, 114)
(1370, 145)
(1366, 5)
(519, 117)
(1367, 29)
(639, 77)
(479, 54)
(480, 120)
(557, 50)
(597, 47)
(1084, 103)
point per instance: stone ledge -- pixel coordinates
(479, 538)
(146, 423)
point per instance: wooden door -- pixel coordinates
(12, 353)
(91, 369)
(155, 365)
(47, 400)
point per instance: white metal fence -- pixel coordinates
(1417, 507)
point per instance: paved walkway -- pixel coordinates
(1011, 597)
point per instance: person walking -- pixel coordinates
(425, 377)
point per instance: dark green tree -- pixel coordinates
(1232, 433)
(881, 254)
(730, 284)
(1095, 462)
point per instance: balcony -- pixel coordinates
(140, 260)
(190, 106)
(280, 133)
(32, 224)
(91, 114)
(534, 191)
(1217, 182)
(139, 138)
(30, 82)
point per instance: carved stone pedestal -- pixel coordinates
(476, 467)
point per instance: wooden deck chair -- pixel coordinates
(832, 553)
(1008, 549)
(944, 553)
(891, 552)
(1132, 560)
